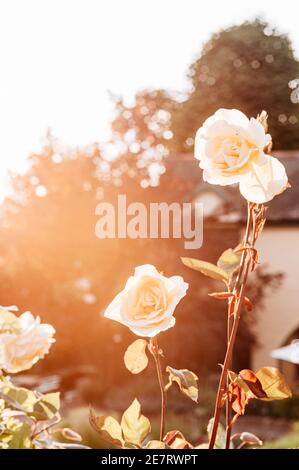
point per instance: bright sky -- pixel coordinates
(58, 59)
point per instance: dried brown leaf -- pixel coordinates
(253, 383)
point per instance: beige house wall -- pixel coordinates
(279, 252)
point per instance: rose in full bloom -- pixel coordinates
(23, 340)
(147, 303)
(231, 147)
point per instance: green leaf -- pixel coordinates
(186, 380)
(208, 269)
(129, 445)
(47, 406)
(135, 356)
(229, 261)
(42, 407)
(18, 398)
(134, 425)
(263, 119)
(21, 437)
(273, 383)
(202, 446)
(155, 445)
(107, 427)
(176, 440)
(253, 383)
(266, 384)
(250, 439)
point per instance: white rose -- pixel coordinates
(23, 340)
(230, 148)
(147, 303)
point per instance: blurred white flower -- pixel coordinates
(147, 303)
(289, 353)
(23, 340)
(230, 148)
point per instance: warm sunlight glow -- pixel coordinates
(149, 224)
(61, 58)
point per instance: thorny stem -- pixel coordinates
(234, 313)
(156, 354)
(228, 412)
(230, 320)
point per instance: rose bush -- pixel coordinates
(231, 149)
(28, 419)
(147, 303)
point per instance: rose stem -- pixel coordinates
(230, 311)
(228, 415)
(239, 291)
(156, 354)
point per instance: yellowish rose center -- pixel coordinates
(148, 298)
(231, 152)
(9, 323)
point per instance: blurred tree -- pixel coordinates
(48, 249)
(140, 134)
(249, 67)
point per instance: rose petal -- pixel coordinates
(113, 309)
(257, 133)
(234, 117)
(264, 181)
(153, 331)
(216, 177)
(146, 270)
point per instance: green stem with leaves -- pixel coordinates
(234, 312)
